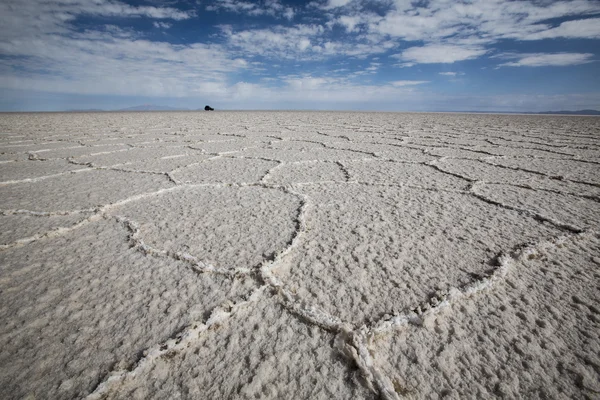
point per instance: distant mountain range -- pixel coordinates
(85, 110)
(580, 112)
(143, 107)
(153, 107)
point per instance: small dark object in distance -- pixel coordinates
(209, 108)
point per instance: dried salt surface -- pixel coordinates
(22, 170)
(71, 152)
(479, 170)
(133, 154)
(232, 145)
(299, 254)
(392, 152)
(225, 227)
(10, 157)
(261, 351)
(386, 173)
(79, 190)
(225, 170)
(536, 336)
(300, 145)
(23, 227)
(370, 250)
(526, 152)
(452, 152)
(77, 306)
(306, 171)
(164, 164)
(575, 170)
(286, 155)
(35, 147)
(567, 209)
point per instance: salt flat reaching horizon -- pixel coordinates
(242, 255)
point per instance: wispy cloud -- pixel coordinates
(407, 83)
(490, 20)
(273, 8)
(45, 53)
(584, 29)
(546, 59)
(440, 53)
(300, 42)
(35, 18)
(332, 4)
(162, 25)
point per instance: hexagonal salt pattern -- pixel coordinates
(298, 255)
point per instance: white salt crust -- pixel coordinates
(299, 255)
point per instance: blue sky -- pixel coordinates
(391, 55)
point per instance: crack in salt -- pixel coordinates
(351, 341)
(176, 344)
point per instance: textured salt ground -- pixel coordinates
(20, 170)
(396, 152)
(133, 154)
(75, 307)
(331, 221)
(79, 191)
(476, 170)
(307, 171)
(226, 227)
(232, 145)
(400, 173)
(80, 151)
(18, 227)
(477, 152)
(286, 155)
(225, 170)
(566, 209)
(574, 170)
(33, 147)
(370, 250)
(259, 352)
(296, 144)
(536, 336)
(8, 158)
(164, 164)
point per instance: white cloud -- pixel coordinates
(586, 28)
(546, 59)
(448, 73)
(303, 44)
(116, 66)
(44, 52)
(232, 6)
(483, 22)
(278, 42)
(327, 90)
(440, 53)
(255, 8)
(300, 42)
(162, 25)
(336, 4)
(348, 22)
(407, 83)
(289, 13)
(35, 18)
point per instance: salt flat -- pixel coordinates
(310, 255)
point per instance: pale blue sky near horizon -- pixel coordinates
(387, 55)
